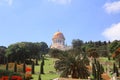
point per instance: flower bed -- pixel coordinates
(11, 78)
(5, 74)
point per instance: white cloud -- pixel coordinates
(63, 2)
(112, 7)
(113, 32)
(6, 2)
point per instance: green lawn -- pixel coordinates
(49, 70)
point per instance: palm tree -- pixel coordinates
(72, 64)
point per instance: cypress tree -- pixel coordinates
(7, 66)
(33, 66)
(98, 66)
(93, 70)
(42, 68)
(109, 58)
(114, 68)
(101, 69)
(39, 78)
(36, 61)
(95, 60)
(15, 67)
(24, 77)
(119, 63)
(43, 61)
(24, 67)
(117, 73)
(98, 75)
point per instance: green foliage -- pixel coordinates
(92, 52)
(119, 63)
(97, 70)
(55, 53)
(77, 43)
(115, 69)
(2, 55)
(24, 67)
(7, 66)
(8, 73)
(39, 77)
(101, 48)
(94, 71)
(72, 64)
(26, 50)
(114, 45)
(48, 67)
(43, 48)
(15, 67)
(42, 67)
(24, 77)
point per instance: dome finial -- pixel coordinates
(58, 30)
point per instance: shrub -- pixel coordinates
(9, 73)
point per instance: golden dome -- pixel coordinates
(58, 35)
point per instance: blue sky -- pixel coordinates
(38, 20)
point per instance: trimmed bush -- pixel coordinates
(8, 73)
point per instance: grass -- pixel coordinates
(49, 70)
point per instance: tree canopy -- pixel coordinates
(25, 50)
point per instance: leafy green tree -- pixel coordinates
(114, 45)
(93, 53)
(16, 52)
(55, 53)
(23, 51)
(2, 54)
(44, 48)
(77, 43)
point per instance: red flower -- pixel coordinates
(16, 78)
(5, 77)
(28, 69)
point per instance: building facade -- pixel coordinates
(58, 41)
